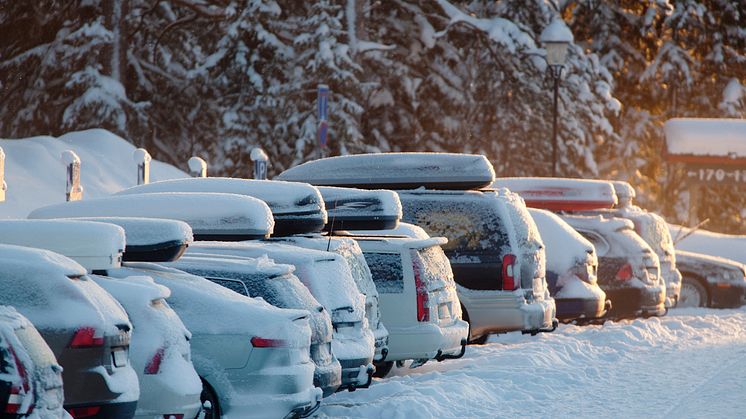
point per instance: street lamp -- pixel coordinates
(556, 38)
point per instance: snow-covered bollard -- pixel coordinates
(260, 159)
(197, 167)
(73, 189)
(3, 185)
(142, 159)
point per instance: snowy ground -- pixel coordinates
(691, 363)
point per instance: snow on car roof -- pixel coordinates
(564, 246)
(94, 245)
(40, 258)
(396, 171)
(729, 246)
(353, 208)
(598, 222)
(260, 265)
(327, 275)
(402, 230)
(719, 137)
(692, 257)
(560, 194)
(208, 214)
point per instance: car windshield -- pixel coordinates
(387, 270)
(655, 232)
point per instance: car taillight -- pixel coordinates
(83, 412)
(19, 393)
(625, 273)
(509, 282)
(259, 342)
(423, 300)
(87, 337)
(154, 365)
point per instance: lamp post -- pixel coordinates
(556, 38)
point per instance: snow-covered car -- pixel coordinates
(212, 216)
(571, 270)
(418, 299)
(85, 327)
(711, 281)
(277, 285)
(252, 358)
(329, 279)
(296, 207)
(357, 209)
(493, 246)
(159, 349)
(351, 252)
(30, 377)
(628, 269)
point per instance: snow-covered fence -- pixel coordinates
(197, 167)
(73, 189)
(3, 186)
(142, 158)
(260, 159)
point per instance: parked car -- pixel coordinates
(86, 329)
(30, 377)
(297, 208)
(277, 285)
(628, 269)
(329, 279)
(212, 216)
(353, 255)
(571, 269)
(710, 281)
(159, 349)
(252, 358)
(494, 249)
(418, 298)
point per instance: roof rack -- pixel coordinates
(561, 194)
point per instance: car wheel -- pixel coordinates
(383, 369)
(209, 400)
(693, 293)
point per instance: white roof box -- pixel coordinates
(396, 171)
(150, 239)
(355, 209)
(211, 216)
(95, 246)
(561, 194)
(297, 208)
(625, 193)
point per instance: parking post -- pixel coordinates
(3, 185)
(73, 188)
(197, 167)
(260, 160)
(142, 158)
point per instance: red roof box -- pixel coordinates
(561, 194)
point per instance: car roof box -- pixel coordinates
(358, 209)
(95, 246)
(561, 194)
(297, 208)
(212, 216)
(150, 239)
(397, 171)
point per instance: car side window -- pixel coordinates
(387, 271)
(231, 284)
(601, 245)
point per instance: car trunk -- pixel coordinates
(436, 289)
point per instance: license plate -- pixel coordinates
(120, 357)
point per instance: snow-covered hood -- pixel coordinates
(208, 214)
(396, 171)
(96, 246)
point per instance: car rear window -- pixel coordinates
(472, 222)
(387, 271)
(232, 284)
(654, 231)
(36, 347)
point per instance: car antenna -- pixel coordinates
(680, 237)
(331, 228)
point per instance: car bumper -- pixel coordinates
(356, 373)
(328, 377)
(382, 344)
(160, 396)
(569, 309)
(727, 295)
(630, 302)
(427, 341)
(672, 295)
(124, 410)
(506, 311)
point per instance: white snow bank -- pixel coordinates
(206, 213)
(687, 364)
(560, 193)
(147, 231)
(93, 245)
(392, 169)
(706, 137)
(35, 174)
(709, 243)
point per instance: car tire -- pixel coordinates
(693, 293)
(383, 369)
(208, 395)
